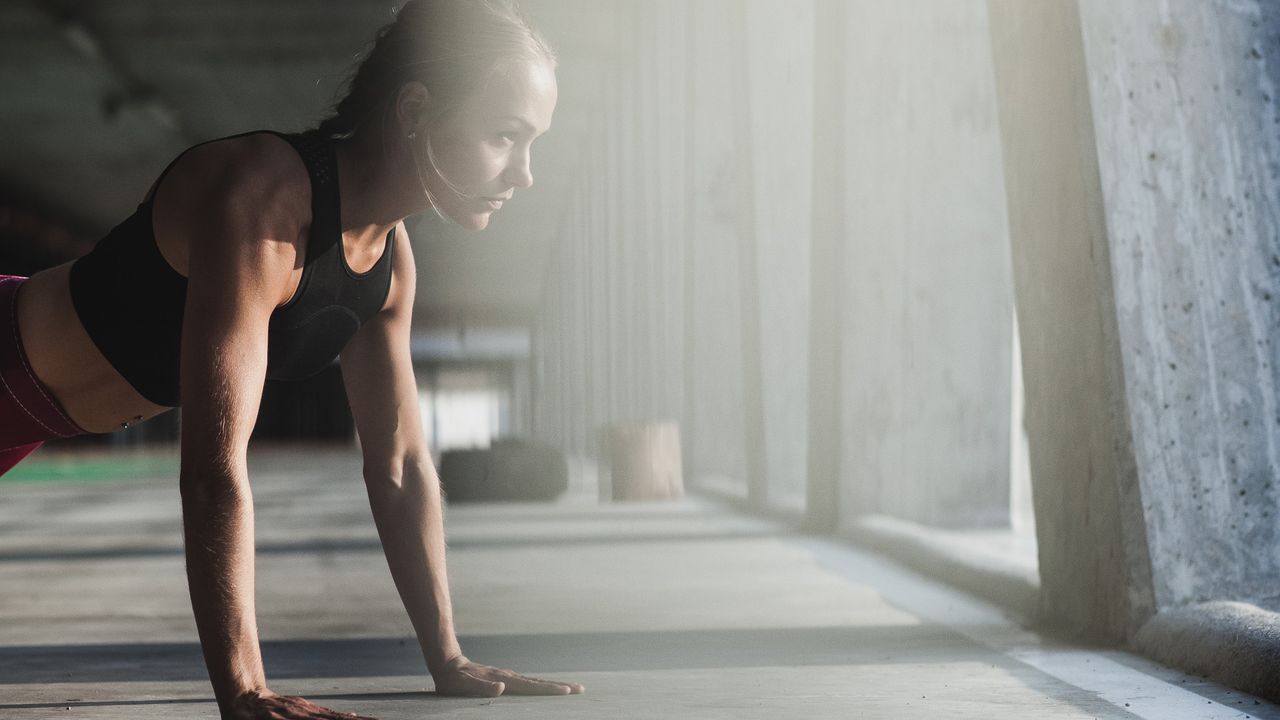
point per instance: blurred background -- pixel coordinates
(987, 286)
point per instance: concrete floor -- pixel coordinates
(679, 610)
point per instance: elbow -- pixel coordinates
(399, 474)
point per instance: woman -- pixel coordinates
(265, 255)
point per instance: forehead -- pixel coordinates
(526, 90)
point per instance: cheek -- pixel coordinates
(473, 162)
(492, 160)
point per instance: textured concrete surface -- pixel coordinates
(928, 287)
(662, 610)
(1093, 561)
(1187, 119)
(1233, 642)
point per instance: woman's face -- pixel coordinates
(479, 150)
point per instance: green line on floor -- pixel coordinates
(65, 469)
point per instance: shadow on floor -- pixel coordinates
(365, 545)
(604, 651)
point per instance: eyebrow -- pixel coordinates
(528, 125)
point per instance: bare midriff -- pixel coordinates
(68, 363)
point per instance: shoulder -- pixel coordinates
(402, 261)
(403, 274)
(256, 180)
(242, 203)
(256, 172)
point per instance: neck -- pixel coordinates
(374, 190)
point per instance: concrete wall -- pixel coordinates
(1188, 138)
(607, 339)
(660, 214)
(928, 293)
(701, 169)
(1113, 168)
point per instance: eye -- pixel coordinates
(508, 136)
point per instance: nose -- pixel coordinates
(519, 172)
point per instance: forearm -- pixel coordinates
(407, 511)
(217, 518)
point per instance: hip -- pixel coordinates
(29, 412)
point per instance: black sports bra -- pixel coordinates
(131, 300)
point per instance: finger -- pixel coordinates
(293, 707)
(339, 715)
(572, 686)
(488, 687)
(523, 685)
(304, 709)
(464, 683)
(331, 714)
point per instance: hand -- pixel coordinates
(460, 676)
(267, 705)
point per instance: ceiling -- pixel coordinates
(100, 96)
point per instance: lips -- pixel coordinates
(495, 202)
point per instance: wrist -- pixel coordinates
(443, 659)
(230, 700)
(235, 685)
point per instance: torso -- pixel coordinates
(60, 350)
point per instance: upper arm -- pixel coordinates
(377, 371)
(242, 252)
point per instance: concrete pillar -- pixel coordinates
(748, 248)
(1188, 131)
(718, 416)
(780, 92)
(1094, 566)
(827, 244)
(688, 258)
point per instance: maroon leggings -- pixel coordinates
(29, 415)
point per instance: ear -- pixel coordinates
(411, 107)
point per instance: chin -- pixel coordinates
(474, 221)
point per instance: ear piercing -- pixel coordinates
(125, 425)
